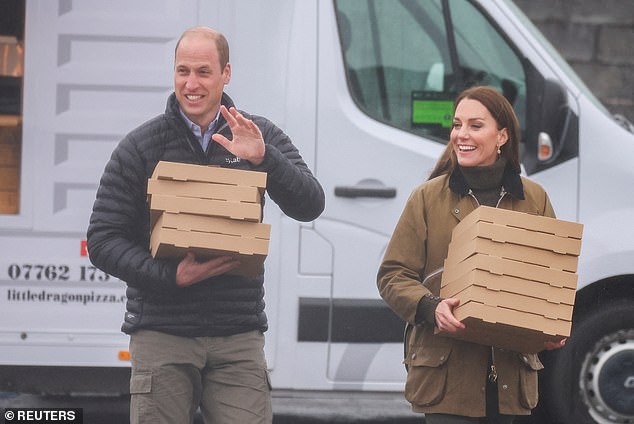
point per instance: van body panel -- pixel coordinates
(344, 83)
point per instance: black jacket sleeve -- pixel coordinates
(118, 232)
(290, 184)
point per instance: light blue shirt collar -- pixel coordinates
(205, 137)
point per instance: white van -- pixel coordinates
(364, 89)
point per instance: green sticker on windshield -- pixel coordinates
(432, 112)
(432, 108)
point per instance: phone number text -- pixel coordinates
(50, 272)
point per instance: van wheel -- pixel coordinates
(591, 379)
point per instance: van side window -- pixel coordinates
(407, 60)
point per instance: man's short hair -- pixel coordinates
(221, 42)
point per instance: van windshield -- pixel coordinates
(407, 75)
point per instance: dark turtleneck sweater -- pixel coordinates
(485, 182)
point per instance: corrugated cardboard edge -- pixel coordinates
(190, 172)
(522, 286)
(502, 336)
(233, 210)
(213, 224)
(517, 219)
(213, 242)
(519, 253)
(514, 301)
(204, 190)
(170, 243)
(519, 236)
(520, 319)
(502, 266)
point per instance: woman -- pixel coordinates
(453, 381)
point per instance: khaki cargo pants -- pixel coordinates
(172, 376)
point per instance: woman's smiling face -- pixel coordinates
(475, 135)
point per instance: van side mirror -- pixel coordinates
(554, 120)
(552, 127)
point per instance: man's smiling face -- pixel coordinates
(198, 78)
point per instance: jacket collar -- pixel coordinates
(511, 181)
(173, 115)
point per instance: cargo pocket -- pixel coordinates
(141, 383)
(427, 375)
(141, 404)
(528, 379)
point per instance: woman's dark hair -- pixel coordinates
(504, 116)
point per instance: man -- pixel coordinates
(196, 333)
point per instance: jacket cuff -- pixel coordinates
(271, 158)
(426, 309)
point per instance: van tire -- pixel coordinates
(601, 342)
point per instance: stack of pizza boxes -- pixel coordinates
(516, 277)
(210, 211)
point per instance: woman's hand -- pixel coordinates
(555, 345)
(445, 320)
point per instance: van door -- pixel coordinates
(96, 90)
(388, 72)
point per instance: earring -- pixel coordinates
(499, 150)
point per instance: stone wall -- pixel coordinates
(597, 40)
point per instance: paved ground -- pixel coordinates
(288, 407)
(342, 407)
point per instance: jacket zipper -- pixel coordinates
(493, 373)
(211, 142)
(475, 199)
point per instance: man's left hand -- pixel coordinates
(247, 142)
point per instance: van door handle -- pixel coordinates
(354, 192)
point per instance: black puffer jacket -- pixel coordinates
(119, 230)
